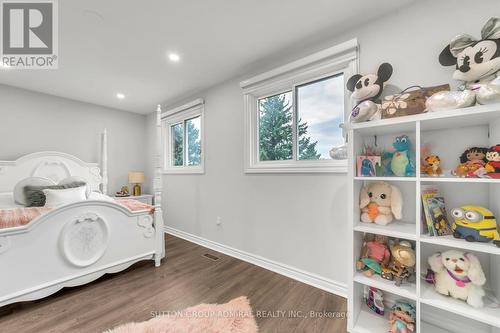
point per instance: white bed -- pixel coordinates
(75, 243)
(7, 201)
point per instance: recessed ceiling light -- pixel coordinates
(120, 96)
(174, 57)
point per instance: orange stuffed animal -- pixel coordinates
(433, 165)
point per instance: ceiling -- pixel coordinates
(112, 46)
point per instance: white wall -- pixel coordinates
(31, 122)
(300, 220)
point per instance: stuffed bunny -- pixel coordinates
(459, 275)
(477, 65)
(380, 203)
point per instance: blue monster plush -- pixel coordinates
(401, 164)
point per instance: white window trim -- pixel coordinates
(171, 117)
(342, 58)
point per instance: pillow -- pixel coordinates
(35, 196)
(19, 196)
(99, 197)
(76, 179)
(55, 198)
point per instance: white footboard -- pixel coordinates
(74, 245)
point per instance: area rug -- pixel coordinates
(232, 317)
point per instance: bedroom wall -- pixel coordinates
(31, 122)
(300, 220)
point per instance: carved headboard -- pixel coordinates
(55, 166)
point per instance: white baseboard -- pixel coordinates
(311, 279)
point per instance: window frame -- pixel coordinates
(342, 58)
(179, 115)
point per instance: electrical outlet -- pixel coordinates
(218, 221)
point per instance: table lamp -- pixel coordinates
(136, 178)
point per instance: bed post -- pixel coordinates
(157, 185)
(104, 161)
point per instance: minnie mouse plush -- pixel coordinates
(477, 64)
(366, 91)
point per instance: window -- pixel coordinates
(294, 113)
(320, 112)
(276, 127)
(183, 139)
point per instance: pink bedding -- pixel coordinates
(16, 217)
(135, 205)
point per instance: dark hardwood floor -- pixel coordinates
(185, 279)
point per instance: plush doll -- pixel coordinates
(402, 163)
(380, 203)
(475, 224)
(493, 158)
(374, 255)
(477, 64)
(459, 275)
(366, 91)
(472, 162)
(402, 318)
(402, 262)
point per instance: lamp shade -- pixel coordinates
(136, 177)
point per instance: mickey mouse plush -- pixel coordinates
(477, 64)
(366, 90)
(493, 157)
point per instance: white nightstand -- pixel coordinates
(146, 198)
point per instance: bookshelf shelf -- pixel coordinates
(407, 290)
(450, 241)
(488, 314)
(389, 179)
(399, 229)
(459, 180)
(475, 126)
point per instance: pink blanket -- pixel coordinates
(10, 218)
(135, 205)
(16, 217)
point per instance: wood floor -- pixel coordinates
(187, 278)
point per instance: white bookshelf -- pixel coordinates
(448, 133)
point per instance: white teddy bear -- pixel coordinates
(459, 275)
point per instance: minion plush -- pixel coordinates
(475, 224)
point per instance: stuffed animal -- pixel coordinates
(459, 275)
(375, 255)
(472, 162)
(477, 64)
(432, 167)
(366, 91)
(380, 203)
(475, 224)
(402, 317)
(402, 262)
(401, 164)
(493, 158)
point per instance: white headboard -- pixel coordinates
(55, 166)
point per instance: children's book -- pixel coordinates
(434, 211)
